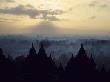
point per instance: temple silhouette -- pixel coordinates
(40, 67)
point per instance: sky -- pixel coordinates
(55, 17)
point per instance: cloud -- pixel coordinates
(93, 17)
(92, 4)
(7, 1)
(74, 7)
(97, 4)
(7, 20)
(20, 10)
(51, 15)
(53, 18)
(30, 11)
(50, 18)
(103, 5)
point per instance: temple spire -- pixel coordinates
(1, 51)
(92, 62)
(103, 70)
(82, 52)
(82, 46)
(50, 55)
(2, 56)
(41, 45)
(72, 56)
(42, 50)
(32, 50)
(32, 45)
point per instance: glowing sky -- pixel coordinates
(55, 17)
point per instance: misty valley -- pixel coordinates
(61, 48)
(54, 59)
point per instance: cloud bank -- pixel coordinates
(29, 10)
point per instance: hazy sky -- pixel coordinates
(55, 17)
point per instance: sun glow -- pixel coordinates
(70, 16)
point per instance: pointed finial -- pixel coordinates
(72, 56)
(41, 44)
(60, 64)
(91, 56)
(1, 51)
(81, 45)
(32, 45)
(103, 68)
(103, 65)
(50, 55)
(92, 59)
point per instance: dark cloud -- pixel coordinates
(50, 18)
(56, 12)
(53, 18)
(30, 11)
(92, 4)
(20, 10)
(5, 21)
(74, 7)
(29, 6)
(8, 20)
(92, 17)
(50, 14)
(103, 6)
(7, 1)
(97, 4)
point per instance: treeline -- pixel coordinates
(38, 67)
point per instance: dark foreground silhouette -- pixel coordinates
(38, 67)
